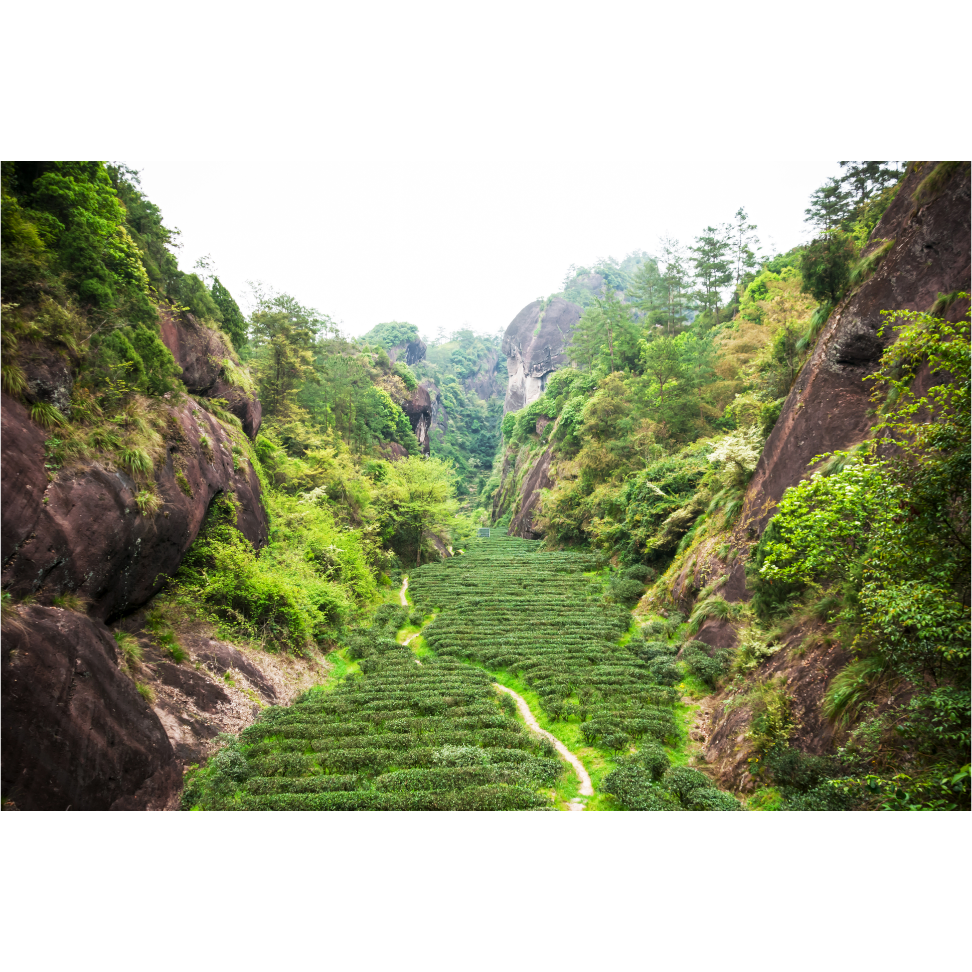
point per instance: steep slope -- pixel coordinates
(829, 408)
(76, 731)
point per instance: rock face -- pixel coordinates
(77, 735)
(538, 478)
(522, 477)
(827, 409)
(534, 346)
(488, 381)
(202, 353)
(49, 376)
(412, 352)
(418, 408)
(83, 532)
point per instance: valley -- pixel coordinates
(690, 534)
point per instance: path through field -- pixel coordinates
(539, 617)
(401, 593)
(586, 788)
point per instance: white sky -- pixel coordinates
(453, 244)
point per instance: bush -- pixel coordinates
(708, 669)
(664, 671)
(634, 788)
(656, 649)
(625, 590)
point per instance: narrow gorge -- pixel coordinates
(691, 533)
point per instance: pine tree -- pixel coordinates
(745, 244)
(865, 179)
(647, 293)
(675, 284)
(712, 260)
(829, 205)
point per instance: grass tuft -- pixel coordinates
(46, 415)
(130, 648)
(71, 602)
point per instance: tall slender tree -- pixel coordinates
(675, 283)
(647, 293)
(745, 244)
(712, 261)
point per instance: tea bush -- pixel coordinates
(398, 736)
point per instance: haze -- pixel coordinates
(453, 245)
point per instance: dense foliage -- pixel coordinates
(887, 528)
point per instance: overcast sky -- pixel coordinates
(455, 244)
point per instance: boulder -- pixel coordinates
(534, 345)
(77, 735)
(83, 531)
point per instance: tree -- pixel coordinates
(826, 265)
(283, 358)
(675, 283)
(866, 179)
(745, 244)
(712, 260)
(417, 505)
(829, 205)
(647, 293)
(662, 359)
(606, 331)
(233, 322)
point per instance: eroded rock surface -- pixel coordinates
(534, 346)
(411, 352)
(827, 409)
(202, 354)
(538, 478)
(77, 735)
(83, 532)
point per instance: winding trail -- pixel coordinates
(586, 788)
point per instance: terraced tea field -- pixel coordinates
(398, 736)
(508, 605)
(432, 733)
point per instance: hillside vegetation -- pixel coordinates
(697, 640)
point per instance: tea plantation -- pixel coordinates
(507, 604)
(399, 736)
(406, 733)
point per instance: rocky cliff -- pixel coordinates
(409, 352)
(209, 367)
(534, 345)
(828, 409)
(76, 732)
